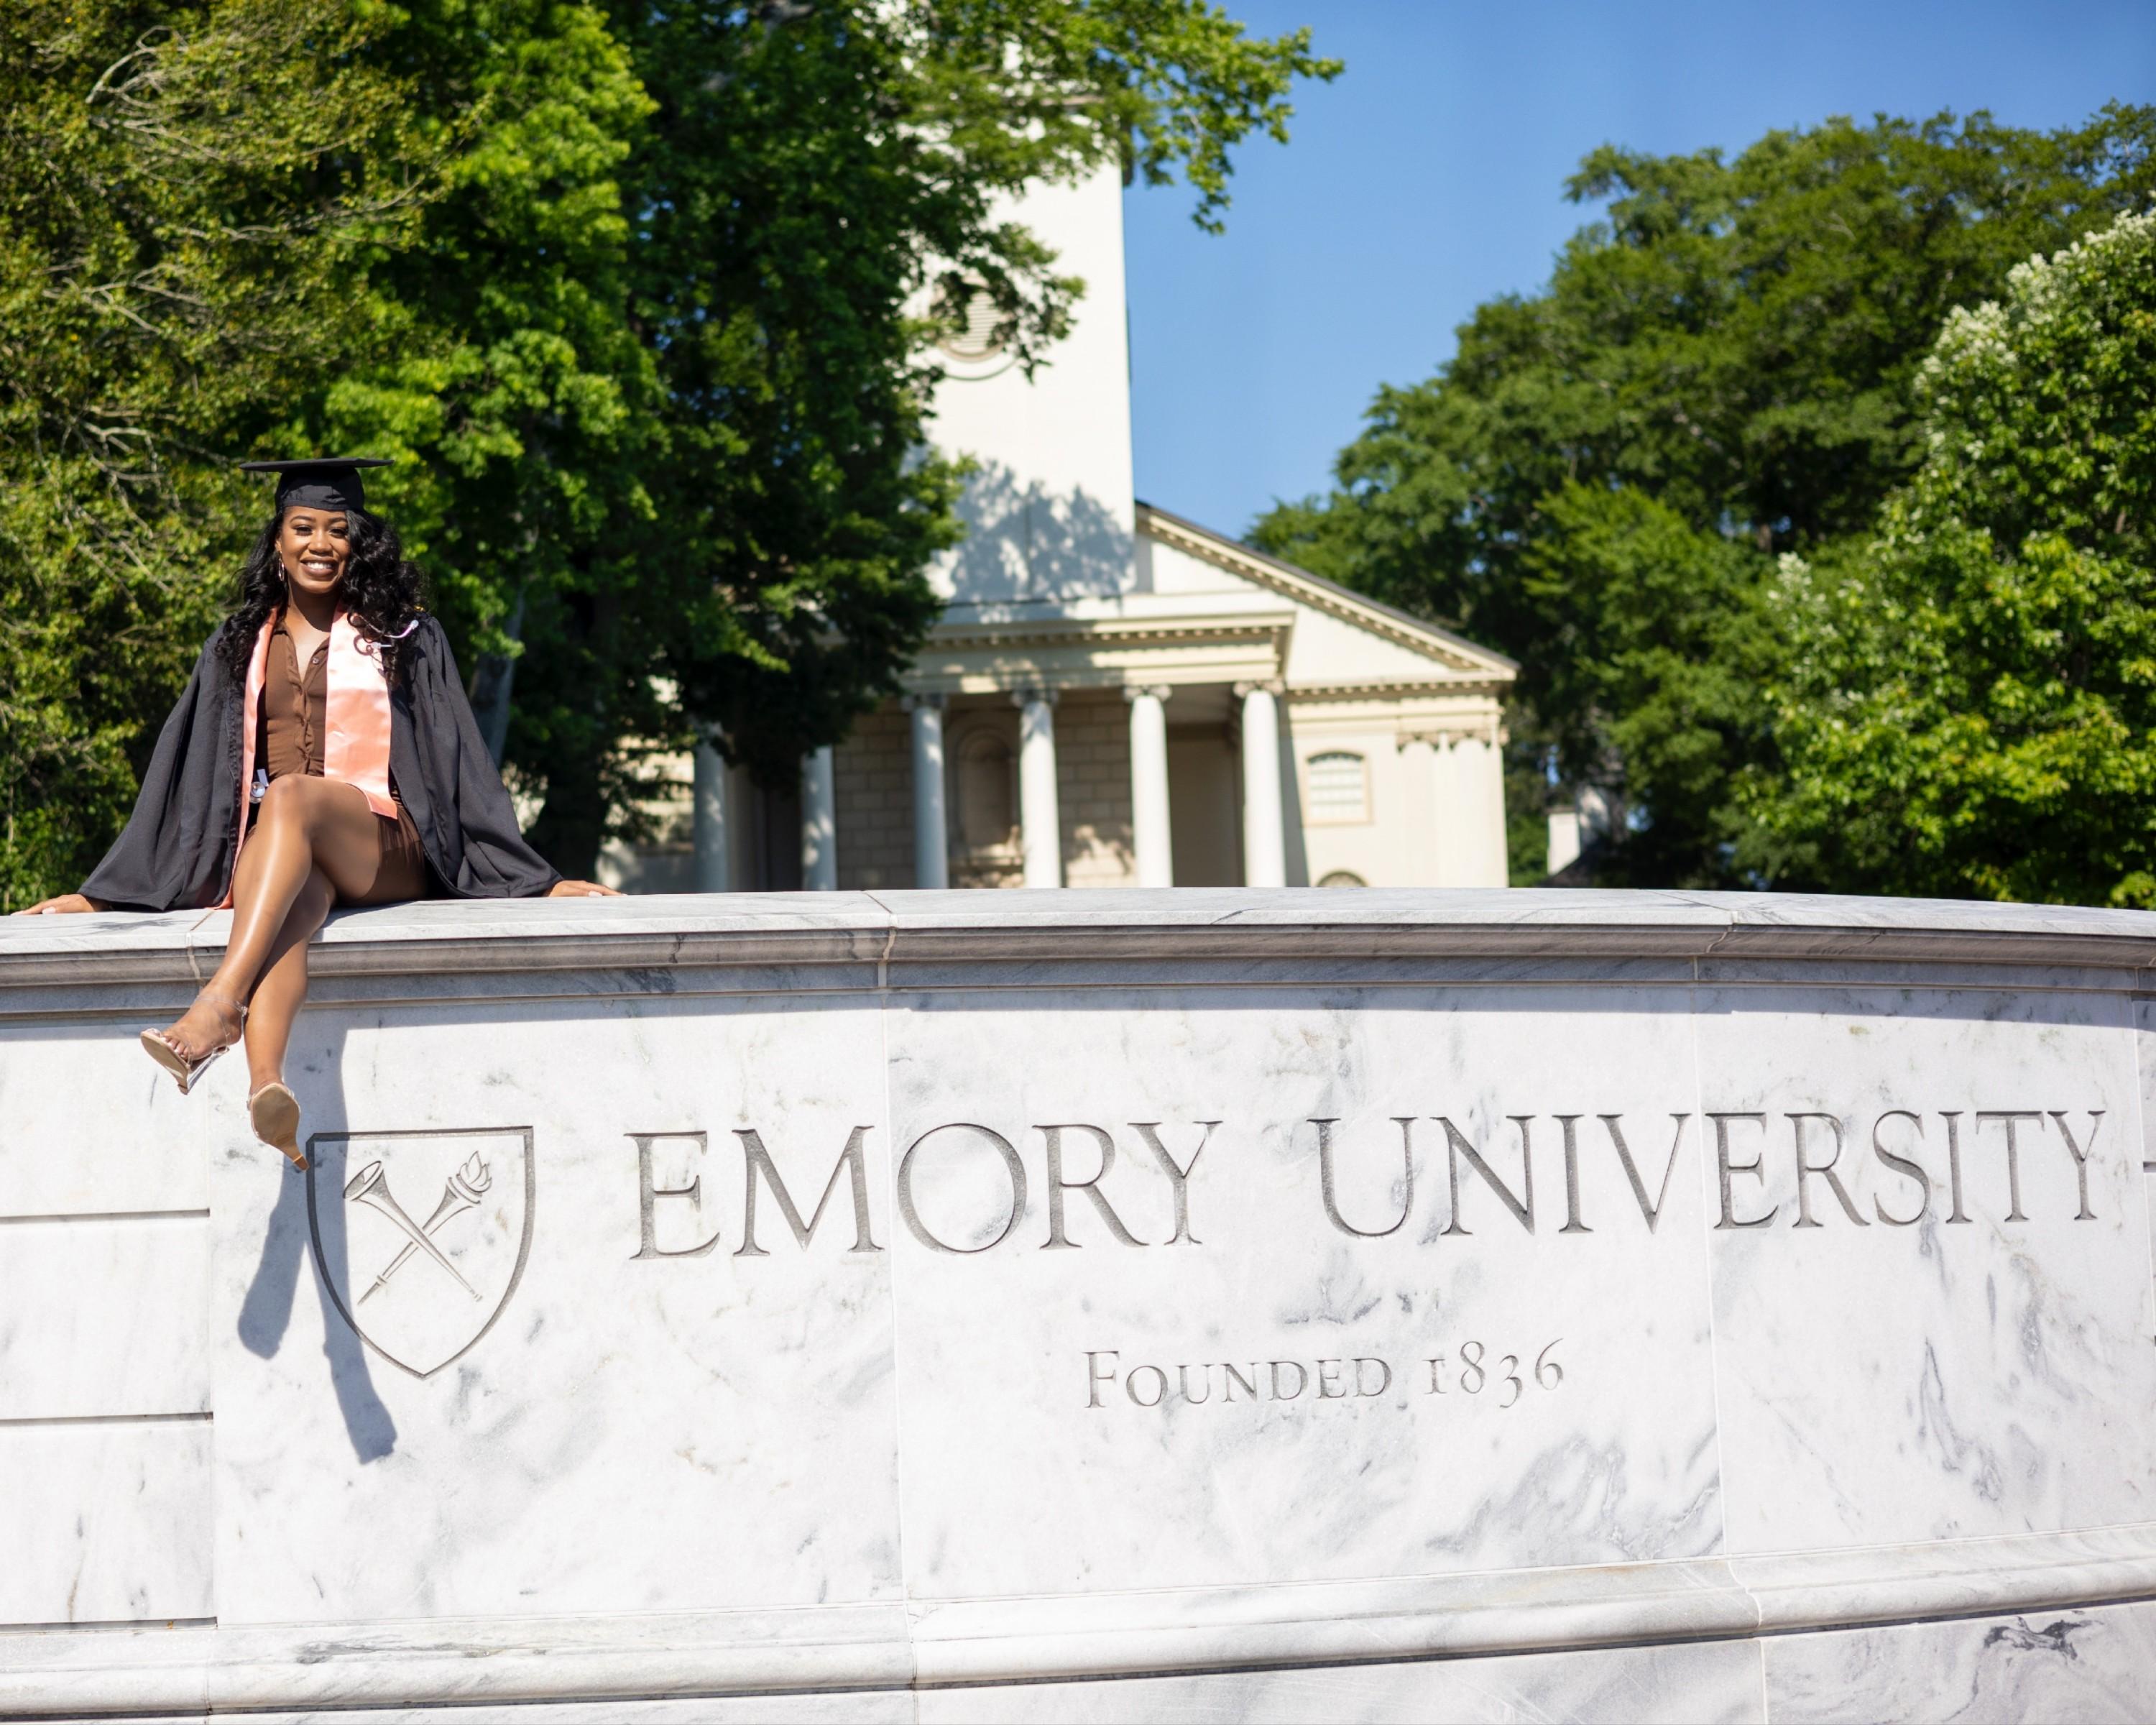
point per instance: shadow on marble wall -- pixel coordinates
(1024, 542)
(266, 1313)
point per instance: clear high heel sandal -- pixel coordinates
(167, 1054)
(274, 1112)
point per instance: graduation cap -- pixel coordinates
(332, 482)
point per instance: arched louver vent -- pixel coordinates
(978, 334)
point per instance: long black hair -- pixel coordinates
(379, 588)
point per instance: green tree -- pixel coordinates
(637, 295)
(1968, 707)
(661, 368)
(511, 378)
(181, 218)
(1601, 480)
(808, 180)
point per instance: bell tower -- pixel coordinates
(1049, 513)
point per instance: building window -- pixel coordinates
(1339, 790)
(1343, 877)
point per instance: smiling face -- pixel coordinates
(314, 546)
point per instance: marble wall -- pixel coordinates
(1222, 1304)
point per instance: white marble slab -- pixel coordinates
(2144, 1042)
(1706, 1681)
(590, 1448)
(105, 1522)
(880, 1707)
(103, 934)
(459, 937)
(93, 1128)
(1214, 907)
(1263, 1625)
(1022, 1367)
(1884, 1383)
(1825, 910)
(454, 1663)
(632, 1433)
(2091, 1666)
(119, 933)
(100, 1317)
(1832, 1586)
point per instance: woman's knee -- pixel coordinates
(300, 802)
(285, 801)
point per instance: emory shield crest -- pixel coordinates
(421, 1236)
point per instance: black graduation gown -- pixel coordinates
(175, 852)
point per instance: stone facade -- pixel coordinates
(1093, 787)
(1388, 1304)
(875, 810)
(874, 772)
(1195, 712)
(876, 801)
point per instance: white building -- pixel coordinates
(1115, 695)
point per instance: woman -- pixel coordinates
(322, 754)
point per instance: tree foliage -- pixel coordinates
(180, 222)
(637, 296)
(1968, 705)
(1600, 481)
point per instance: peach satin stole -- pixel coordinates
(356, 741)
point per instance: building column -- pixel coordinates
(1451, 822)
(1150, 839)
(1265, 839)
(1039, 817)
(931, 850)
(1482, 803)
(708, 820)
(1420, 818)
(819, 823)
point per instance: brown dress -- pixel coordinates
(290, 739)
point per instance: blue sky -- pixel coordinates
(1428, 177)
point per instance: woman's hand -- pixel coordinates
(581, 888)
(66, 905)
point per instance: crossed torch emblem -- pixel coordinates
(462, 1191)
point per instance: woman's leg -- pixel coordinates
(283, 988)
(306, 826)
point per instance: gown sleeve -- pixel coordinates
(492, 858)
(175, 847)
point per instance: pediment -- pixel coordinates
(1416, 647)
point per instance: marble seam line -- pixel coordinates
(332, 997)
(107, 1625)
(39, 1421)
(1707, 1271)
(1668, 937)
(1717, 933)
(328, 991)
(1829, 966)
(2137, 1049)
(1835, 975)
